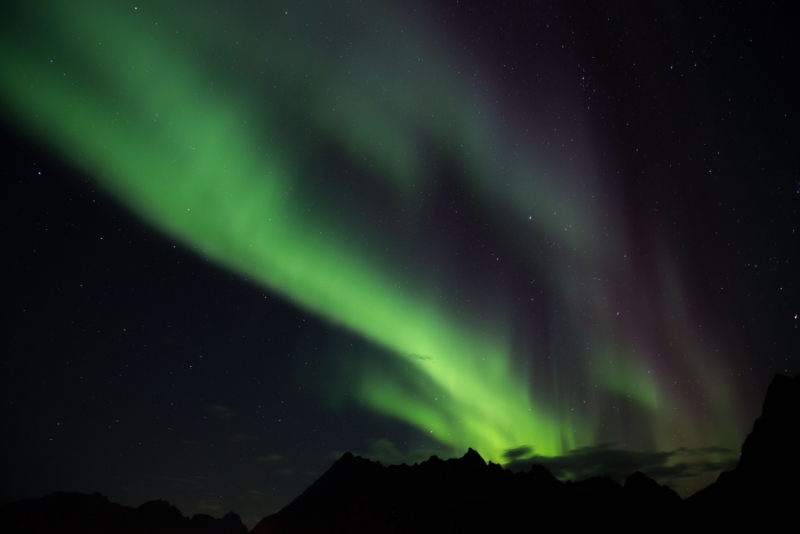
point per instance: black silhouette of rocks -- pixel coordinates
(458, 495)
(764, 483)
(640, 487)
(78, 513)
(229, 524)
(467, 495)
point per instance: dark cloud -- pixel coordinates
(704, 450)
(720, 466)
(517, 453)
(606, 459)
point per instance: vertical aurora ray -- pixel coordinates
(206, 139)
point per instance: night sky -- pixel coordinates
(241, 238)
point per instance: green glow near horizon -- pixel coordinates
(201, 152)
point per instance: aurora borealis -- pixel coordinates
(518, 264)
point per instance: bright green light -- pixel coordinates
(190, 117)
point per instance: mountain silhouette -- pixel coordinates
(766, 478)
(469, 495)
(460, 495)
(78, 513)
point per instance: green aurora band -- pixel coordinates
(204, 122)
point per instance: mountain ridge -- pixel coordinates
(468, 494)
(80, 513)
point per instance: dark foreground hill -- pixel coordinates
(468, 495)
(78, 513)
(765, 483)
(463, 495)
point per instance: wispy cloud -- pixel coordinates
(285, 472)
(606, 459)
(256, 495)
(220, 411)
(272, 458)
(209, 505)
